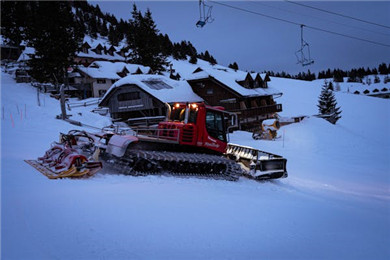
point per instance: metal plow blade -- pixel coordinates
(258, 164)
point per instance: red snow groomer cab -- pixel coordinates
(197, 125)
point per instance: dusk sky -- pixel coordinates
(259, 43)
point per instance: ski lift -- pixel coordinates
(303, 59)
(204, 14)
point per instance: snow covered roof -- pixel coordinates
(74, 75)
(254, 75)
(103, 42)
(161, 87)
(230, 78)
(25, 55)
(92, 54)
(110, 70)
(264, 76)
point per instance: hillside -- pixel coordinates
(333, 205)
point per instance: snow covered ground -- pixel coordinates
(335, 204)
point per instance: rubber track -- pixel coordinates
(140, 163)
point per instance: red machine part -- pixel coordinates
(61, 157)
(197, 125)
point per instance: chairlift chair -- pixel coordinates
(204, 14)
(303, 59)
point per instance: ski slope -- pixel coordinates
(335, 204)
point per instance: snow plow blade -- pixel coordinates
(258, 164)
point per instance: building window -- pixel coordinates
(210, 91)
(101, 81)
(128, 96)
(102, 92)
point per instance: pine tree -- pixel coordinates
(233, 66)
(104, 30)
(327, 105)
(193, 59)
(330, 86)
(112, 36)
(55, 42)
(212, 61)
(93, 27)
(382, 69)
(16, 16)
(207, 56)
(166, 44)
(144, 41)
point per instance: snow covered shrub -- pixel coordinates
(386, 79)
(327, 105)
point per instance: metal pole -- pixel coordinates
(302, 57)
(39, 103)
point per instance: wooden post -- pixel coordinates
(62, 98)
(39, 102)
(63, 110)
(12, 121)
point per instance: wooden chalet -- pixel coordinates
(96, 79)
(247, 95)
(138, 97)
(98, 52)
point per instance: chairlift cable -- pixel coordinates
(321, 19)
(299, 24)
(334, 13)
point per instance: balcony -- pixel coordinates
(257, 111)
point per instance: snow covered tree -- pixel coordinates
(113, 36)
(55, 42)
(193, 59)
(233, 66)
(16, 16)
(327, 105)
(383, 69)
(212, 61)
(144, 41)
